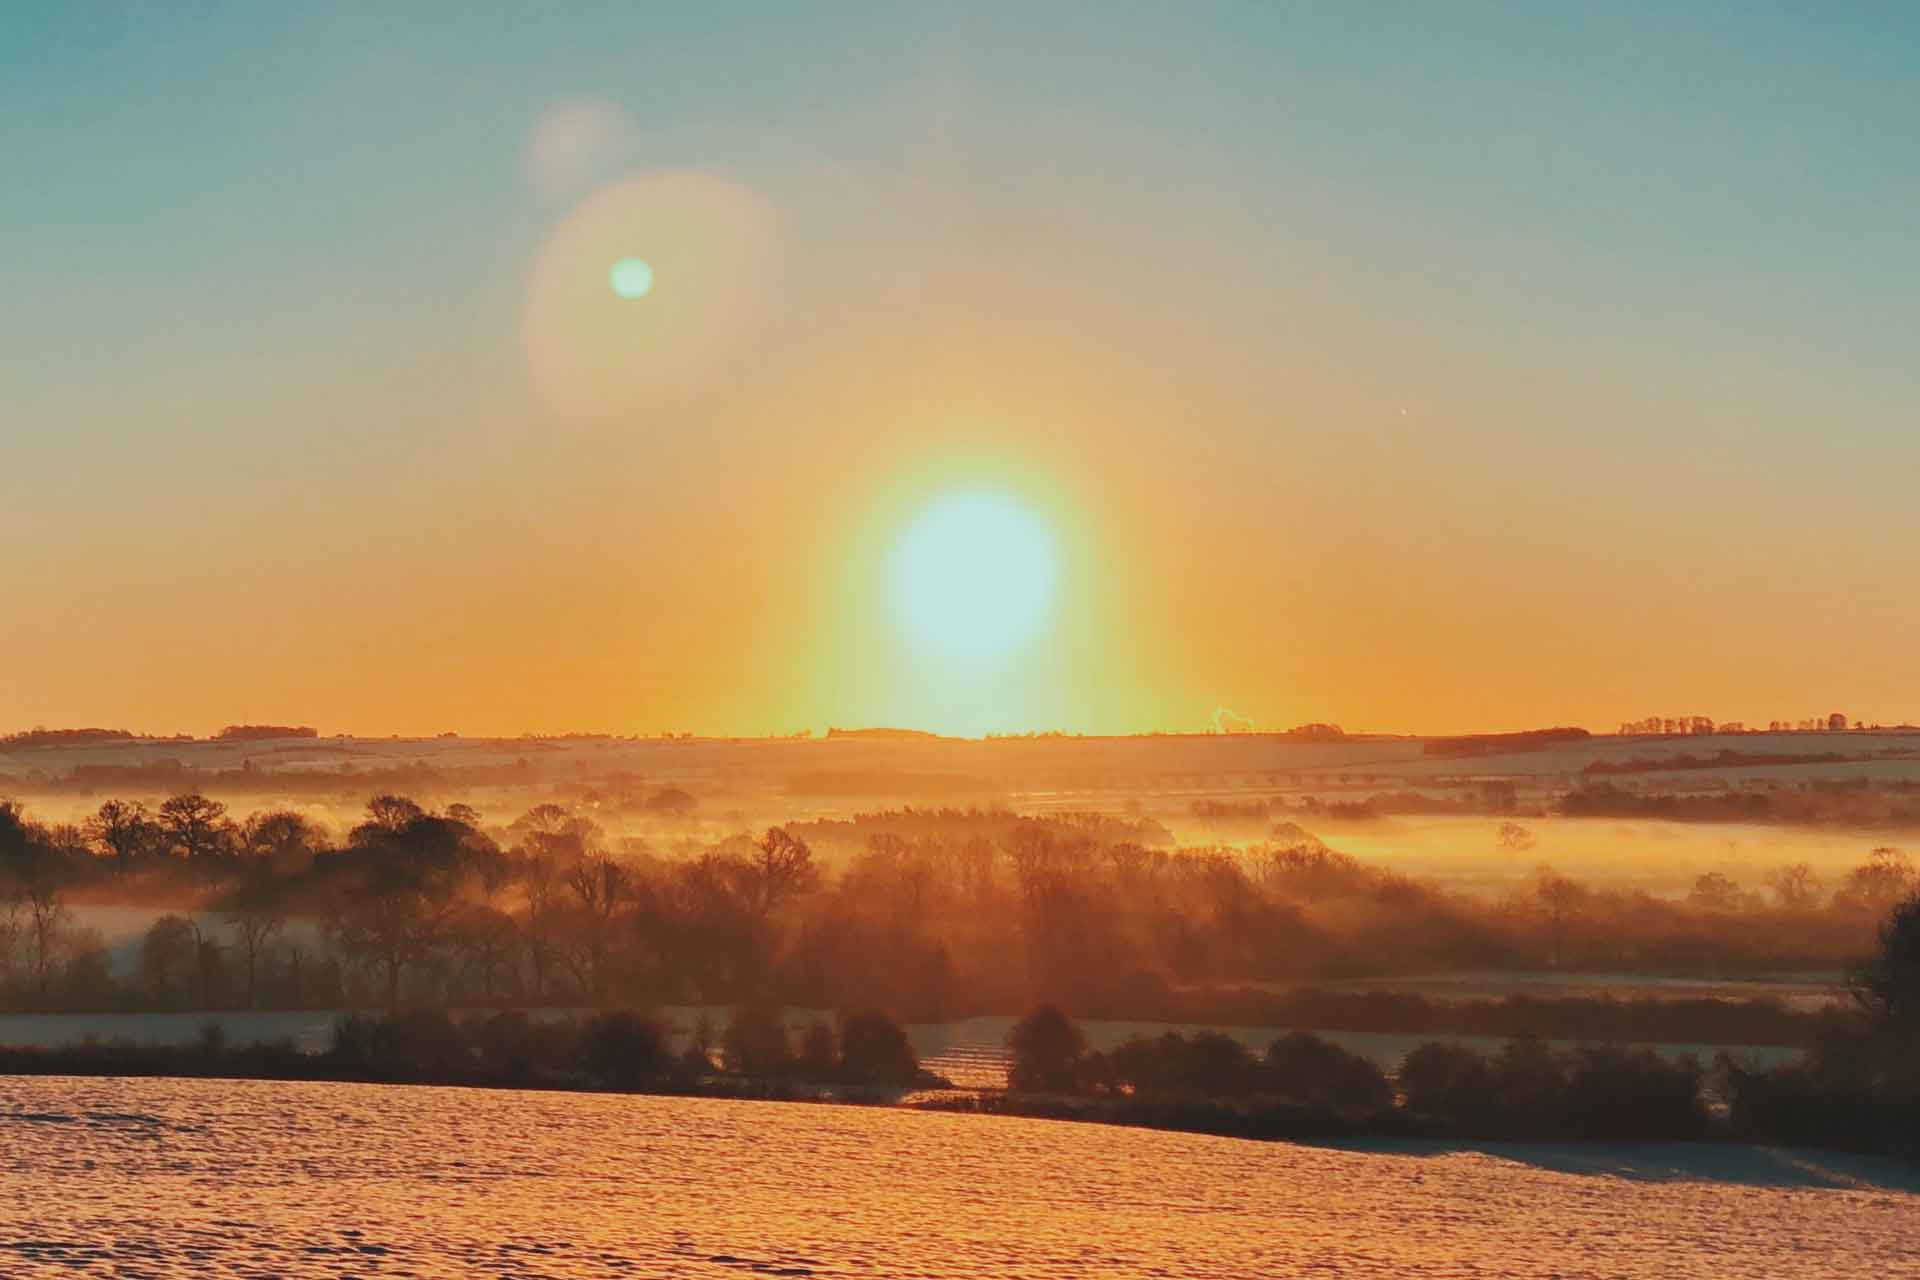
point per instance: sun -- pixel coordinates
(973, 576)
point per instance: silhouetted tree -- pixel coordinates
(755, 1042)
(783, 866)
(623, 1049)
(1049, 1052)
(486, 939)
(169, 960)
(600, 887)
(197, 828)
(391, 813)
(256, 910)
(1714, 892)
(283, 839)
(1306, 1068)
(874, 1050)
(819, 1051)
(1876, 884)
(1887, 984)
(123, 832)
(1795, 887)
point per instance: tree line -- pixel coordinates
(1857, 1087)
(931, 914)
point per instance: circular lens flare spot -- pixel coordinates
(631, 278)
(974, 576)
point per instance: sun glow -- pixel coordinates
(973, 577)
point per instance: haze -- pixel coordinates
(1420, 368)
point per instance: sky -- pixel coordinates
(1416, 367)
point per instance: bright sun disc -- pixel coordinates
(973, 576)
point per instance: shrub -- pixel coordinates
(819, 1051)
(874, 1050)
(1306, 1068)
(1634, 1094)
(755, 1042)
(1049, 1053)
(623, 1049)
(1446, 1081)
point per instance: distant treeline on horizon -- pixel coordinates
(1441, 744)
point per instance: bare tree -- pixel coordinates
(1515, 838)
(122, 831)
(1795, 887)
(256, 911)
(783, 866)
(197, 826)
(1560, 901)
(485, 938)
(599, 886)
(47, 919)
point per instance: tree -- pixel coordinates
(1887, 985)
(1878, 883)
(819, 1051)
(13, 929)
(756, 1043)
(599, 886)
(541, 881)
(1795, 887)
(1714, 892)
(197, 827)
(465, 814)
(169, 960)
(875, 1050)
(623, 1049)
(391, 813)
(783, 866)
(256, 910)
(486, 938)
(47, 919)
(1307, 1068)
(1515, 838)
(1049, 1052)
(395, 891)
(391, 927)
(282, 839)
(550, 831)
(33, 869)
(1561, 902)
(123, 832)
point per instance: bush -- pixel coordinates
(513, 1044)
(623, 1049)
(1209, 1064)
(755, 1043)
(421, 1041)
(874, 1050)
(1306, 1068)
(1447, 1081)
(819, 1052)
(1627, 1095)
(1529, 1091)
(1049, 1053)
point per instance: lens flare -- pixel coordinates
(598, 360)
(631, 278)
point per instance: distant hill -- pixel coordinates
(885, 735)
(1490, 744)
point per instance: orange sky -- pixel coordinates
(1349, 387)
